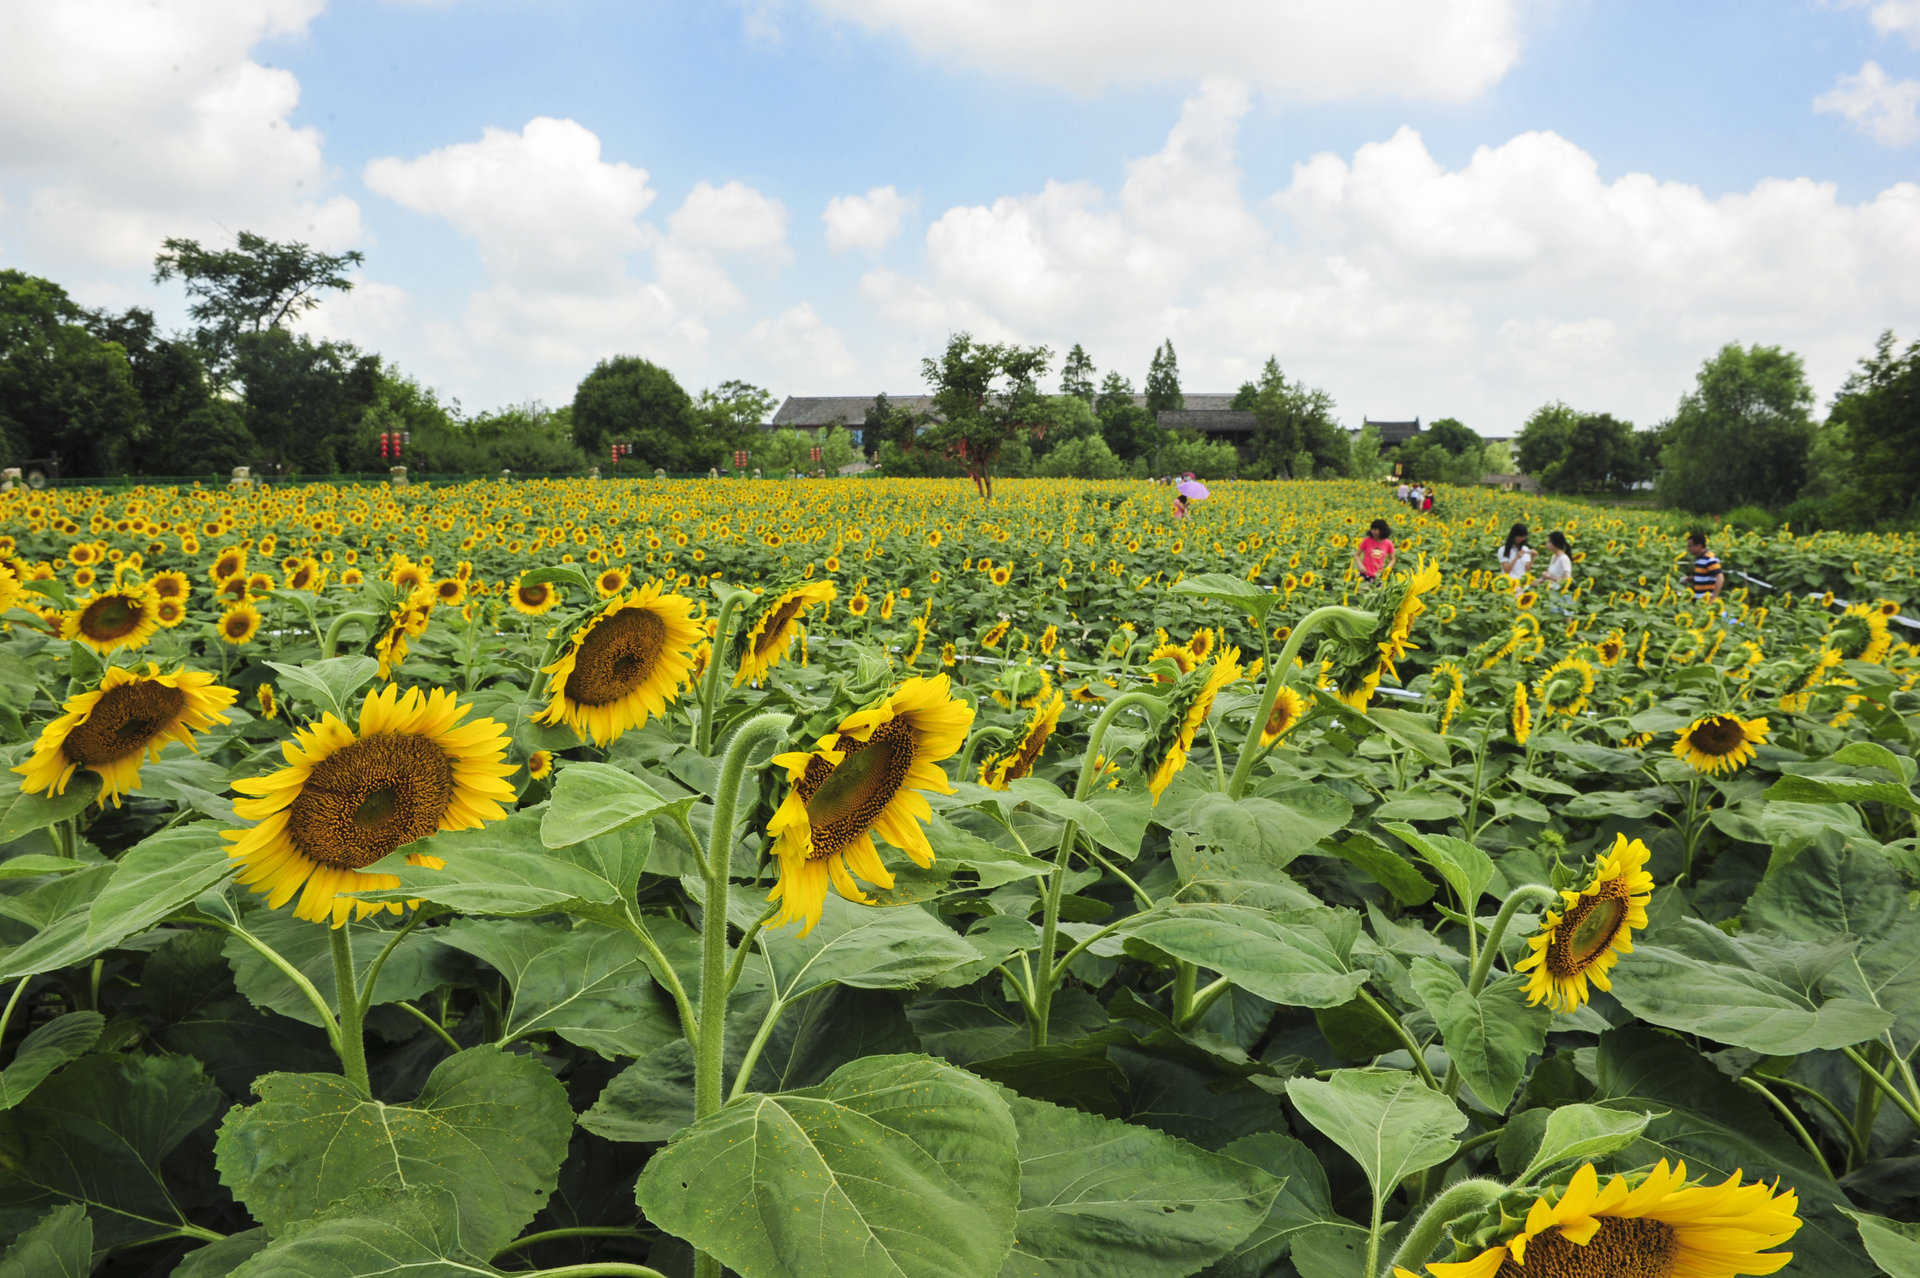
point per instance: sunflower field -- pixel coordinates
(848, 877)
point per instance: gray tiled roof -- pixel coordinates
(1220, 420)
(822, 410)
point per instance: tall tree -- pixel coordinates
(1742, 435)
(1130, 430)
(189, 429)
(305, 400)
(1368, 461)
(630, 400)
(1076, 375)
(1163, 382)
(1292, 418)
(62, 389)
(257, 285)
(1877, 414)
(731, 414)
(984, 395)
(1543, 439)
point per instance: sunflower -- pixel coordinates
(540, 765)
(239, 623)
(1807, 678)
(1420, 583)
(1001, 575)
(232, 562)
(1179, 654)
(610, 582)
(347, 799)
(1860, 634)
(1448, 683)
(535, 598)
(1187, 707)
(450, 592)
(1720, 742)
(859, 603)
(84, 577)
(1288, 706)
(1612, 648)
(1018, 762)
(859, 780)
(1520, 716)
(760, 646)
(1564, 687)
(1526, 599)
(169, 585)
(1201, 643)
(123, 617)
(169, 613)
(995, 633)
(1581, 942)
(259, 583)
(108, 730)
(1636, 741)
(408, 576)
(269, 708)
(1663, 1228)
(626, 663)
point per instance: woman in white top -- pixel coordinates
(1515, 555)
(1560, 566)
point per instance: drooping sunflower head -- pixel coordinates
(1183, 658)
(408, 576)
(349, 797)
(1188, 704)
(1578, 944)
(863, 779)
(1659, 1227)
(1520, 714)
(1805, 679)
(1288, 707)
(1860, 634)
(1564, 687)
(1612, 648)
(625, 663)
(130, 717)
(534, 598)
(1720, 742)
(1413, 588)
(760, 645)
(1448, 685)
(123, 617)
(1019, 760)
(995, 633)
(269, 707)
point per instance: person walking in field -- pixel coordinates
(1516, 557)
(1373, 554)
(1705, 575)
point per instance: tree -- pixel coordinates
(257, 285)
(1063, 417)
(62, 389)
(1163, 382)
(1877, 418)
(1186, 450)
(782, 451)
(1076, 375)
(731, 414)
(1366, 459)
(984, 395)
(1741, 437)
(528, 438)
(1291, 418)
(836, 449)
(1446, 452)
(306, 400)
(189, 430)
(630, 400)
(1543, 439)
(886, 425)
(1453, 435)
(1130, 430)
(1087, 457)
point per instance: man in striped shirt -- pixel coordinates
(1705, 577)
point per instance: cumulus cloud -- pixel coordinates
(733, 218)
(1445, 50)
(1885, 109)
(1891, 17)
(803, 348)
(1405, 285)
(867, 221)
(122, 124)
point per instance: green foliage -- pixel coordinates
(1186, 450)
(1742, 435)
(1131, 431)
(1076, 375)
(1365, 459)
(1163, 381)
(254, 287)
(1573, 452)
(62, 389)
(1291, 418)
(984, 397)
(1087, 457)
(629, 400)
(305, 400)
(1875, 428)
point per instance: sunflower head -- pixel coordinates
(863, 779)
(1019, 759)
(540, 765)
(1860, 634)
(1188, 703)
(534, 598)
(1448, 685)
(1564, 687)
(622, 665)
(1579, 943)
(1720, 742)
(239, 623)
(610, 582)
(759, 646)
(1288, 707)
(123, 617)
(1520, 714)
(129, 718)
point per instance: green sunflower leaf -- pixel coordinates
(1489, 1038)
(1388, 1121)
(59, 1245)
(419, 1232)
(892, 948)
(1292, 957)
(1894, 1245)
(47, 1048)
(21, 814)
(329, 685)
(592, 799)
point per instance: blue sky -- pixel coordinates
(1463, 207)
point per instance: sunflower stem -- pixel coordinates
(286, 969)
(1525, 894)
(439, 1030)
(746, 947)
(1279, 672)
(1462, 1199)
(332, 638)
(621, 1269)
(1886, 1088)
(1185, 977)
(710, 686)
(1792, 1120)
(1406, 1041)
(973, 744)
(352, 1043)
(13, 1002)
(1857, 1151)
(380, 960)
(565, 1232)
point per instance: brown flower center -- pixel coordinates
(369, 798)
(1718, 736)
(531, 596)
(616, 656)
(1590, 926)
(1624, 1247)
(110, 617)
(844, 800)
(123, 721)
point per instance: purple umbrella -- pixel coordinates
(1193, 490)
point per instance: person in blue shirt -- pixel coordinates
(1705, 575)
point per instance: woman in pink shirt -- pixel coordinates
(1373, 554)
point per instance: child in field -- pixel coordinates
(1373, 554)
(1705, 576)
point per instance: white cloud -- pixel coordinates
(733, 218)
(1404, 285)
(1885, 109)
(1891, 17)
(121, 124)
(1449, 50)
(867, 221)
(805, 349)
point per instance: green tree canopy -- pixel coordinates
(1543, 439)
(1076, 375)
(1163, 382)
(1085, 457)
(1292, 418)
(1742, 435)
(189, 430)
(62, 389)
(258, 284)
(306, 401)
(731, 414)
(1130, 430)
(1876, 421)
(1367, 460)
(1061, 418)
(630, 400)
(984, 395)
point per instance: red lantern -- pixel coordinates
(816, 456)
(740, 459)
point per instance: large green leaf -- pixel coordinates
(894, 948)
(1050, 799)
(97, 1133)
(896, 1165)
(588, 984)
(157, 877)
(1582, 1133)
(418, 963)
(1488, 1038)
(1255, 601)
(1842, 789)
(1286, 957)
(650, 1100)
(47, 1048)
(1383, 865)
(1275, 831)
(490, 1127)
(22, 813)
(1388, 1121)
(1302, 1203)
(417, 1231)
(1893, 1244)
(59, 1245)
(1851, 891)
(592, 799)
(1702, 981)
(1465, 867)
(1104, 1199)
(329, 685)
(968, 1025)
